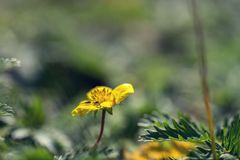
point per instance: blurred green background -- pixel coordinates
(68, 47)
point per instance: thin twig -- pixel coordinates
(101, 128)
(201, 49)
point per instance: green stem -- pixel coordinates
(201, 49)
(101, 128)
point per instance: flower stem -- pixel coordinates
(201, 49)
(101, 129)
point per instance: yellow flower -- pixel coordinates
(161, 151)
(102, 97)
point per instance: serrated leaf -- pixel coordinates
(163, 127)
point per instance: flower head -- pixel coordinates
(102, 97)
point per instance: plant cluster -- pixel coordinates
(162, 127)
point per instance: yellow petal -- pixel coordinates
(100, 94)
(107, 104)
(85, 107)
(122, 91)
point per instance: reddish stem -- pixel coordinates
(201, 49)
(101, 129)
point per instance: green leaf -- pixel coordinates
(8, 63)
(34, 154)
(200, 153)
(109, 110)
(227, 156)
(230, 135)
(35, 110)
(6, 110)
(86, 153)
(162, 127)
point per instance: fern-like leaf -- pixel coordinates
(162, 127)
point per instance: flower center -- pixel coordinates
(102, 95)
